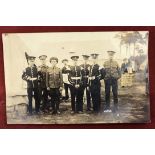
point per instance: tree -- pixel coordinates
(130, 37)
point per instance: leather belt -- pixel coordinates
(75, 78)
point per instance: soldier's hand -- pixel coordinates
(61, 88)
(76, 86)
(48, 88)
(93, 78)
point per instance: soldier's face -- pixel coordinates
(43, 61)
(31, 62)
(85, 60)
(53, 62)
(94, 61)
(65, 63)
(75, 62)
(111, 57)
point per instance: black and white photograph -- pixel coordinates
(77, 77)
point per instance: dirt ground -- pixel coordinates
(133, 108)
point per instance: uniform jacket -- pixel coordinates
(112, 70)
(75, 75)
(54, 77)
(42, 75)
(85, 70)
(96, 73)
(31, 72)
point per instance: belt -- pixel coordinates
(91, 77)
(86, 76)
(75, 78)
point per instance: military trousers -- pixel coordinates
(55, 98)
(66, 87)
(43, 97)
(33, 92)
(96, 96)
(76, 99)
(88, 98)
(111, 83)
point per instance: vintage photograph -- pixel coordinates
(76, 77)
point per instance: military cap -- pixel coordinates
(31, 57)
(53, 58)
(125, 59)
(75, 58)
(111, 52)
(85, 57)
(94, 55)
(64, 60)
(42, 57)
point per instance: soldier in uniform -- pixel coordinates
(65, 73)
(94, 82)
(43, 93)
(76, 87)
(54, 83)
(112, 74)
(30, 74)
(85, 69)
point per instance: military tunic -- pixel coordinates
(54, 81)
(32, 87)
(76, 89)
(43, 93)
(112, 74)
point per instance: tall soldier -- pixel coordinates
(43, 93)
(112, 74)
(76, 87)
(94, 82)
(65, 73)
(30, 74)
(85, 69)
(54, 83)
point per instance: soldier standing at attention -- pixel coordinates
(85, 69)
(94, 82)
(76, 87)
(112, 74)
(43, 93)
(30, 74)
(54, 84)
(65, 73)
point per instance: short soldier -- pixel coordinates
(94, 82)
(30, 74)
(112, 74)
(85, 69)
(43, 93)
(65, 73)
(54, 83)
(76, 87)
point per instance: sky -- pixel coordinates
(60, 44)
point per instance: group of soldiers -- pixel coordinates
(45, 84)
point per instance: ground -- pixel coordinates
(133, 108)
